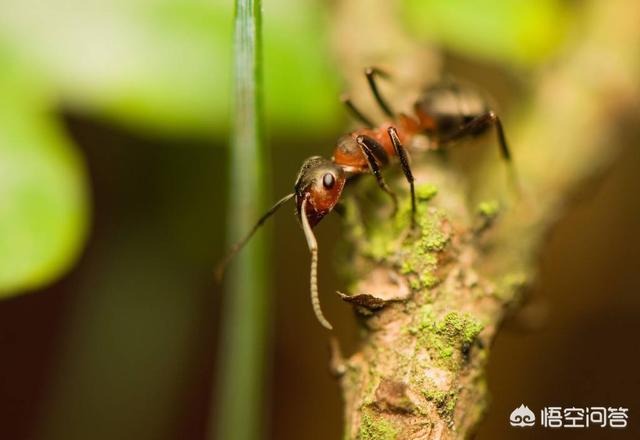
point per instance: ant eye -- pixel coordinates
(328, 180)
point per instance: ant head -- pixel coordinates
(321, 182)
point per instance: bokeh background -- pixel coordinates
(114, 124)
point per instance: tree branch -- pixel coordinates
(432, 300)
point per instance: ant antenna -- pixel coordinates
(357, 114)
(371, 72)
(239, 245)
(313, 248)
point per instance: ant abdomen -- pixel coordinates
(445, 107)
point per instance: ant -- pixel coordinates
(446, 112)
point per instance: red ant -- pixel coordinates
(445, 113)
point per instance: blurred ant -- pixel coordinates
(446, 112)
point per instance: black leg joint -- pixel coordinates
(365, 145)
(370, 73)
(406, 169)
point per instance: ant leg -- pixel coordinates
(368, 145)
(504, 148)
(313, 248)
(357, 114)
(406, 169)
(370, 73)
(487, 118)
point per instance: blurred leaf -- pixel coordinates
(43, 206)
(165, 65)
(516, 31)
(301, 83)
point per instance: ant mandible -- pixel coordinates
(445, 113)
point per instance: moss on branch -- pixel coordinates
(442, 290)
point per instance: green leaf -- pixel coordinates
(164, 66)
(43, 201)
(301, 83)
(248, 299)
(513, 31)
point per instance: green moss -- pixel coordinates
(435, 241)
(443, 351)
(488, 209)
(445, 401)
(432, 236)
(382, 234)
(450, 406)
(407, 267)
(426, 316)
(413, 254)
(426, 192)
(402, 218)
(445, 339)
(428, 339)
(420, 262)
(430, 259)
(428, 279)
(446, 352)
(375, 427)
(437, 397)
(459, 326)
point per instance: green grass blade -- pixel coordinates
(245, 313)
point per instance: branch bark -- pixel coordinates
(437, 296)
